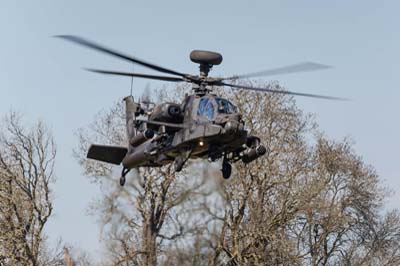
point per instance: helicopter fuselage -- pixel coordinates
(211, 128)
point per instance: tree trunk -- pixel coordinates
(149, 244)
(67, 257)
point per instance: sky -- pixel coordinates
(42, 77)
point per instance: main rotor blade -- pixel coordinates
(283, 92)
(103, 49)
(138, 75)
(300, 67)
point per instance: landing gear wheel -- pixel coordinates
(178, 164)
(122, 181)
(226, 169)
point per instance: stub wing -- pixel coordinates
(170, 125)
(108, 154)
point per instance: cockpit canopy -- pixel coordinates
(225, 106)
(208, 105)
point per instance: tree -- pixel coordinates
(27, 159)
(263, 196)
(301, 204)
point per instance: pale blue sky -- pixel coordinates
(42, 77)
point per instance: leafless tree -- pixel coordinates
(302, 203)
(26, 173)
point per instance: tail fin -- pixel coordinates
(108, 154)
(132, 109)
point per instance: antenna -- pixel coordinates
(133, 70)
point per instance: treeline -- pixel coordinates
(309, 201)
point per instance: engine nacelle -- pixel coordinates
(167, 112)
(141, 137)
(251, 154)
(233, 126)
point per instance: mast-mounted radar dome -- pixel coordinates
(205, 57)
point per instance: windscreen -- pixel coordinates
(206, 108)
(225, 106)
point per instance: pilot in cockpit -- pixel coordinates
(225, 107)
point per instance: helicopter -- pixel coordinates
(204, 125)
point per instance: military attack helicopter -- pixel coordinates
(204, 125)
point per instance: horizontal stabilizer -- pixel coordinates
(108, 154)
